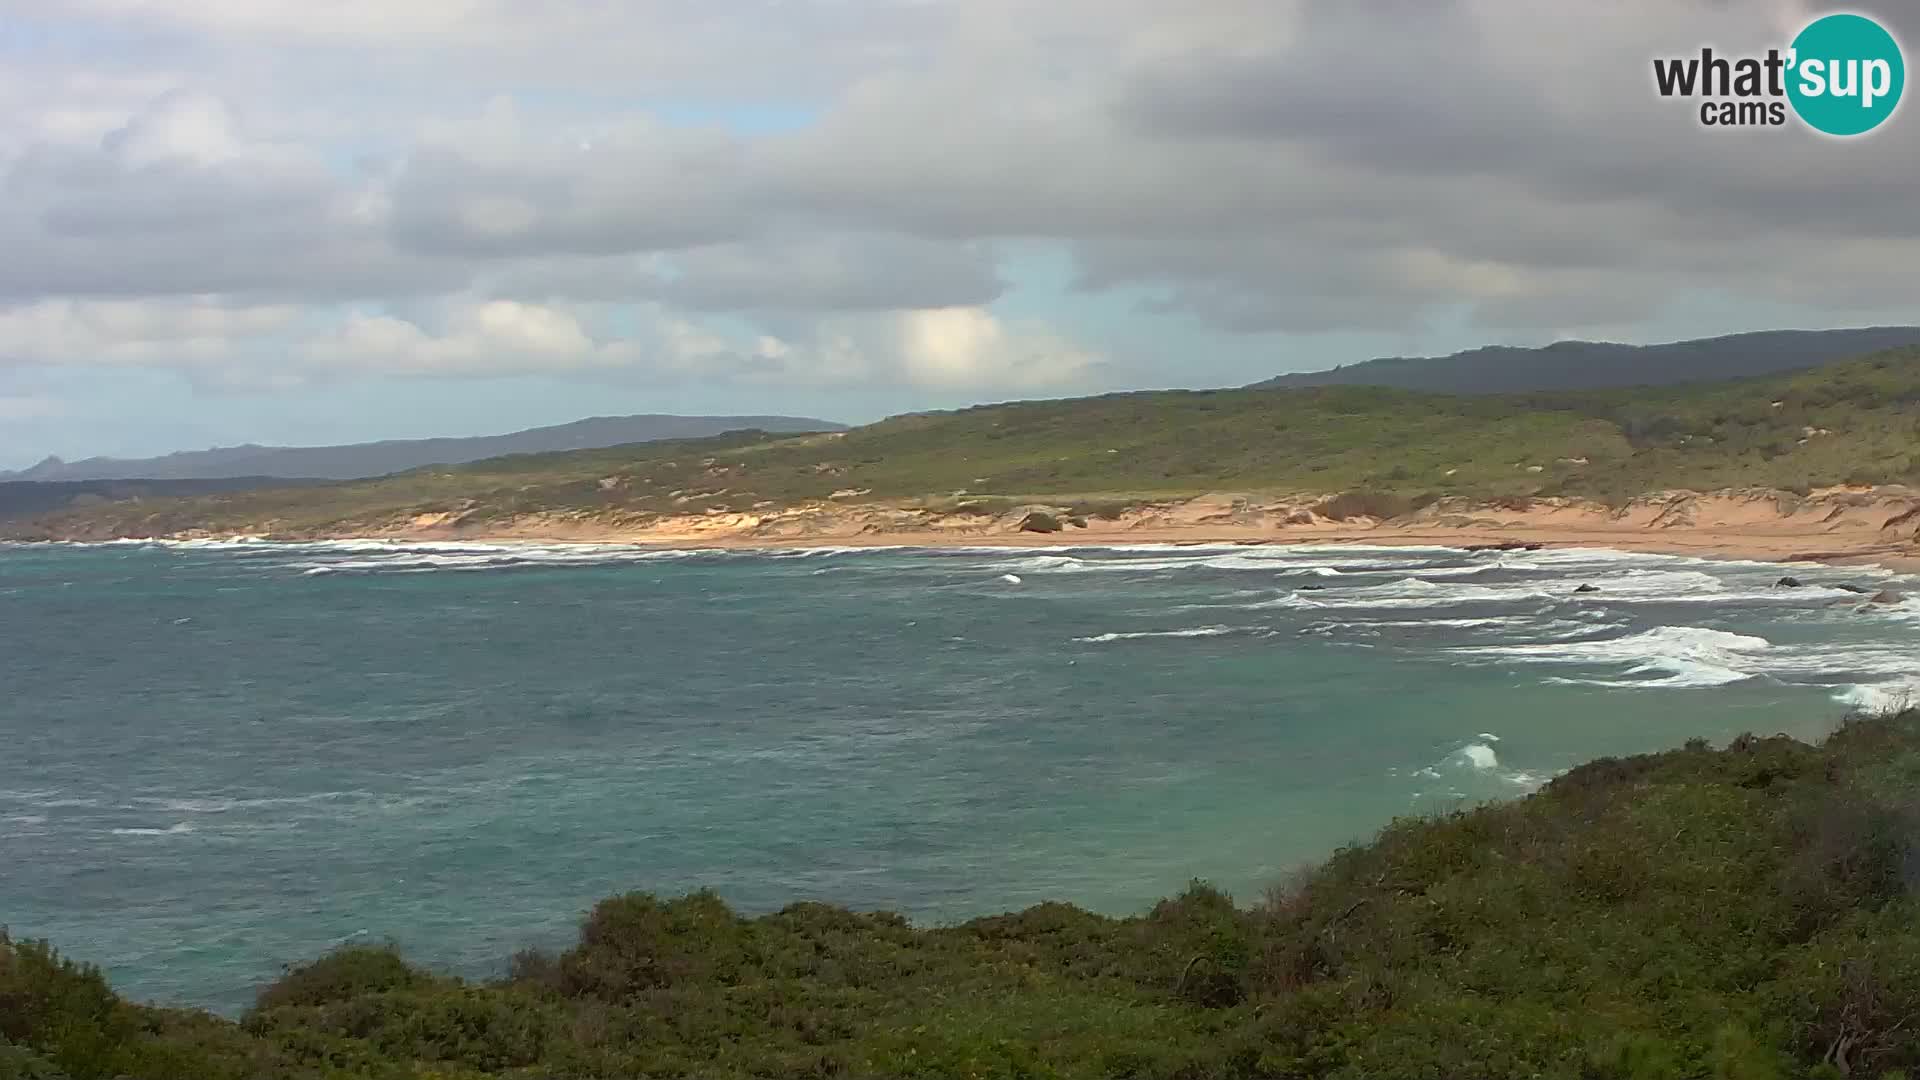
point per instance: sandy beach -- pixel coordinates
(1841, 526)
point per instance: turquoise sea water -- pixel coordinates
(220, 758)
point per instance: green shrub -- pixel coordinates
(634, 942)
(1745, 913)
(342, 974)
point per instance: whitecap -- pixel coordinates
(1480, 756)
(178, 828)
(1877, 698)
(1191, 632)
(1687, 656)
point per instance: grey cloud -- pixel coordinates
(162, 208)
(1264, 166)
(773, 274)
(642, 191)
(835, 272)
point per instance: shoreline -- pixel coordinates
(1783, 549)
(1840, 527)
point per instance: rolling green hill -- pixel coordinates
(1746, 913)
(1851, 422)
(1586, 365)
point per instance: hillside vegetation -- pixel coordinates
(1586, 365)
(1739, 913)
(1852, 422)
(356, 460)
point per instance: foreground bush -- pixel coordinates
(1742, 913)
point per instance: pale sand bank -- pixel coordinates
(1842, 526)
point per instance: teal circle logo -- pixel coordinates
(1846, 75)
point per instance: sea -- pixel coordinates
(220, 758)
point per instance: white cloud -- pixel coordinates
(968, 347)
(487, 182)
(231, 342)
(135, 332)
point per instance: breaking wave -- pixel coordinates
(1191, 632)
(1665, 656)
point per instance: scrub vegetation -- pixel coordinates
(1854, 422)
(1743, 912)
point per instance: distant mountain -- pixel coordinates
(1587, 365)
(24, 498)
(380, 458)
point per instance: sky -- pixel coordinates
(227, 221)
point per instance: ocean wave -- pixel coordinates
(1476, 763)
(1499, 621)
(1413, 592)
(1190, 632)
(178, 828)
(1875, 698)
(1033, 564)
(1684, 656)
(402, 562)
(47, 800)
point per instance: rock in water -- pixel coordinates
(1886, 596)
(1788, 583)
(1588, 588)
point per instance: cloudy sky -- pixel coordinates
(298, 222)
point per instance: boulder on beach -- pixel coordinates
(1039, 521)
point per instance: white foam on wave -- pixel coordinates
(1034, 564)
(1684, 656)
(178, 828)
(822, 551)
(1477, 763)
(1413, 592)
(1190, 632)
(1875, 698)
(427, 561)
(47, 800)
(1419, 624)
(1480, 756)
(1285, 560)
